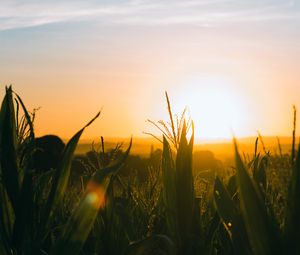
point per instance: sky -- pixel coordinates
(233, 63)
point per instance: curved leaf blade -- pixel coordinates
(84, 216)
(262, 234)
(62, 175)
(8, 149)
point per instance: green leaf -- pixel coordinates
(232, 186)
(259, 174)
(225, 206)
(8, 148)
(6, 219)
(3, 250)
(185, 187)
(27, 116)
(83, 218)
(262, 234)
(24, 214)
(62, 175)
(292, 227)
(231, 218)
(155, 244)
(169, 190)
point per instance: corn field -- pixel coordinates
(107, 210)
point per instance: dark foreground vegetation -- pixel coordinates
(111, 203)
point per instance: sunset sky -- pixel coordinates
(235, 64)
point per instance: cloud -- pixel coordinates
(16, 15)
(21, 14)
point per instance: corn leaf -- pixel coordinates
(27, 116)
(83, 218)
(185, 187)
(259, 174)
(24, 214)
(231, 218)
(262, 234)
(169, 190)
(155, 244)
(6, 220)
(292, 228)
(62, 175)
(8, 149)
(225, 206)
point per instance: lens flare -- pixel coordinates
(95, 195)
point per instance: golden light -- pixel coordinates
(216, 105)
(95, 195)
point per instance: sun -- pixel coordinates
(216, 106)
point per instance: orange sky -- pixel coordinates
(235, 65)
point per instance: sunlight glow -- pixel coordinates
(216, 107)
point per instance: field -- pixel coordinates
(223, 150)
(145, 197)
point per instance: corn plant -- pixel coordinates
(116, 214)
(250, 221)
(182, 213)
(31, 207)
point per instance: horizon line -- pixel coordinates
(116, 139)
